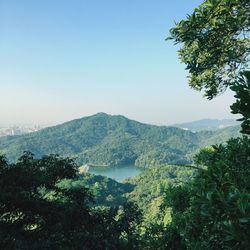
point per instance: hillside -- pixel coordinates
(103, 139)
(105, 191)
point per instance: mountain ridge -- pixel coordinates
(103, 139)
(207, 124)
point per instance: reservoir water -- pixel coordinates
(117, 173)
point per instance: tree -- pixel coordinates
(216, 44)
(219, 214)
(38, 210)
(216, 48)
(213, 210)
(34, 212)
(242, 104)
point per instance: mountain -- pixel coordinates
(106, 140)
(207, 124)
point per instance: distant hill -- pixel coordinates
(103, 139)
(207, 124)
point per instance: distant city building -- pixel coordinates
(18, 130)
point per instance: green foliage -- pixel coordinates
(213, 212)
(129, 219)
(216, 49)
(34, 213)
(149, 192)
(146, 191)
(242, 104)
(40, 210)
(216, 211)
(106, 140)
(150, 185)
(216, 43)
(105, 191)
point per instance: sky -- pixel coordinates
(61, 60)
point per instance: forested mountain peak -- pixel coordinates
(103, 139)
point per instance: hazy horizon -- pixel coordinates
(76, 118)
(64, 60)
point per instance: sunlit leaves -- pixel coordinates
(215, 43)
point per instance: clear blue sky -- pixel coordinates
(61, 60)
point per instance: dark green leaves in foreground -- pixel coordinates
(216, 206)
(36, 212)
(44, 204)
(242, 104)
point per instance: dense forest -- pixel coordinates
(48, 196)
(106, 140)
(45, 203)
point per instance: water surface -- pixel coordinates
(117, 173)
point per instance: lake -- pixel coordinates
(117, 173)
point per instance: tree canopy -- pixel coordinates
(38, 211)
(216, 44)
(214, 211)
(242, 104)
